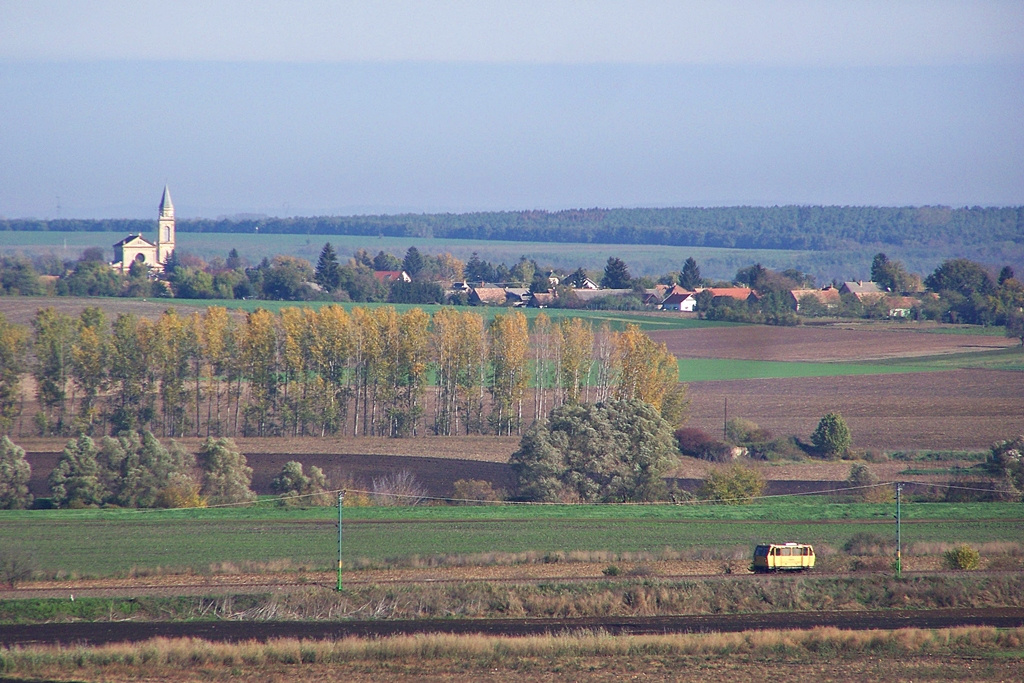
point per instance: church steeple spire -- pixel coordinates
(166, 207)
(165, 229)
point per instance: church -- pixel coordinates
(137, 248)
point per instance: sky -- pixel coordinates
(341, 108)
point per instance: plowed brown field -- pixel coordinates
(814, 343)
(954, 410)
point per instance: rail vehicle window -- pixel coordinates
(761, 551)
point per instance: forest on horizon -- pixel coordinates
(814, 228)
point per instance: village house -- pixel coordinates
(487, 296)
(517, 296)
(827, 296)
(865, 292)
(542, 300)
(901, 306)
(679, 299)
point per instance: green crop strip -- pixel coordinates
(104, 543)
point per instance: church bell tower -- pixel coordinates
(165, 229)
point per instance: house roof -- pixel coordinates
(861, 287)
(389, 275)
(490, 295)
(828, 295)
(741, 293)
(676, 298)
(902, 302)
(542, 299)
(590, 294)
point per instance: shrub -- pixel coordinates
(866, 543)
(181, 495)
(15, 565)
(784, 448)
(397, 488)
(732, 485)
(865, 485)
(741, 431)
(832, 436)
(962, 557)
(611, 570)
(698, 444)
(691, 441)
(294, 487)
(475, 490)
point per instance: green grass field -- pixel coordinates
(114, 542)
(650, 260)
(617, 320)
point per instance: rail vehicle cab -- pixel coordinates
(770, 557)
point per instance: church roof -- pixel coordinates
(166, 206)
(137, 239)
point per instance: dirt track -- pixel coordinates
(107, 632)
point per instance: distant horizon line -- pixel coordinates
(352, 213)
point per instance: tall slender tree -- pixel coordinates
(52, 339)
(689, 277)
(509, 348)
(328, 270)
(13, 348)
(647, 371)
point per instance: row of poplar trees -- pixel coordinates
(318, 372)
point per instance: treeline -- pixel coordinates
(746, 227)
(318, 372)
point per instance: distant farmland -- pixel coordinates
(653, 260)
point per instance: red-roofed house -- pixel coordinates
(389, 276)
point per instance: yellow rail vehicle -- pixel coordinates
(770, 557)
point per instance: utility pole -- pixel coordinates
(899, 540)
(341, 503)
(725, 420)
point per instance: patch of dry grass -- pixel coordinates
(527, 658)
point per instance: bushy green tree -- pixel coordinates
(139, 469)
(1006, 461)
(78, 480)
(613, 451)
(732, 485)
(832, 436)
(18, 277)
(226, 476)
(15, 473)
(297, 488)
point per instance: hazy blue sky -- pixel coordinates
(303, 108)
